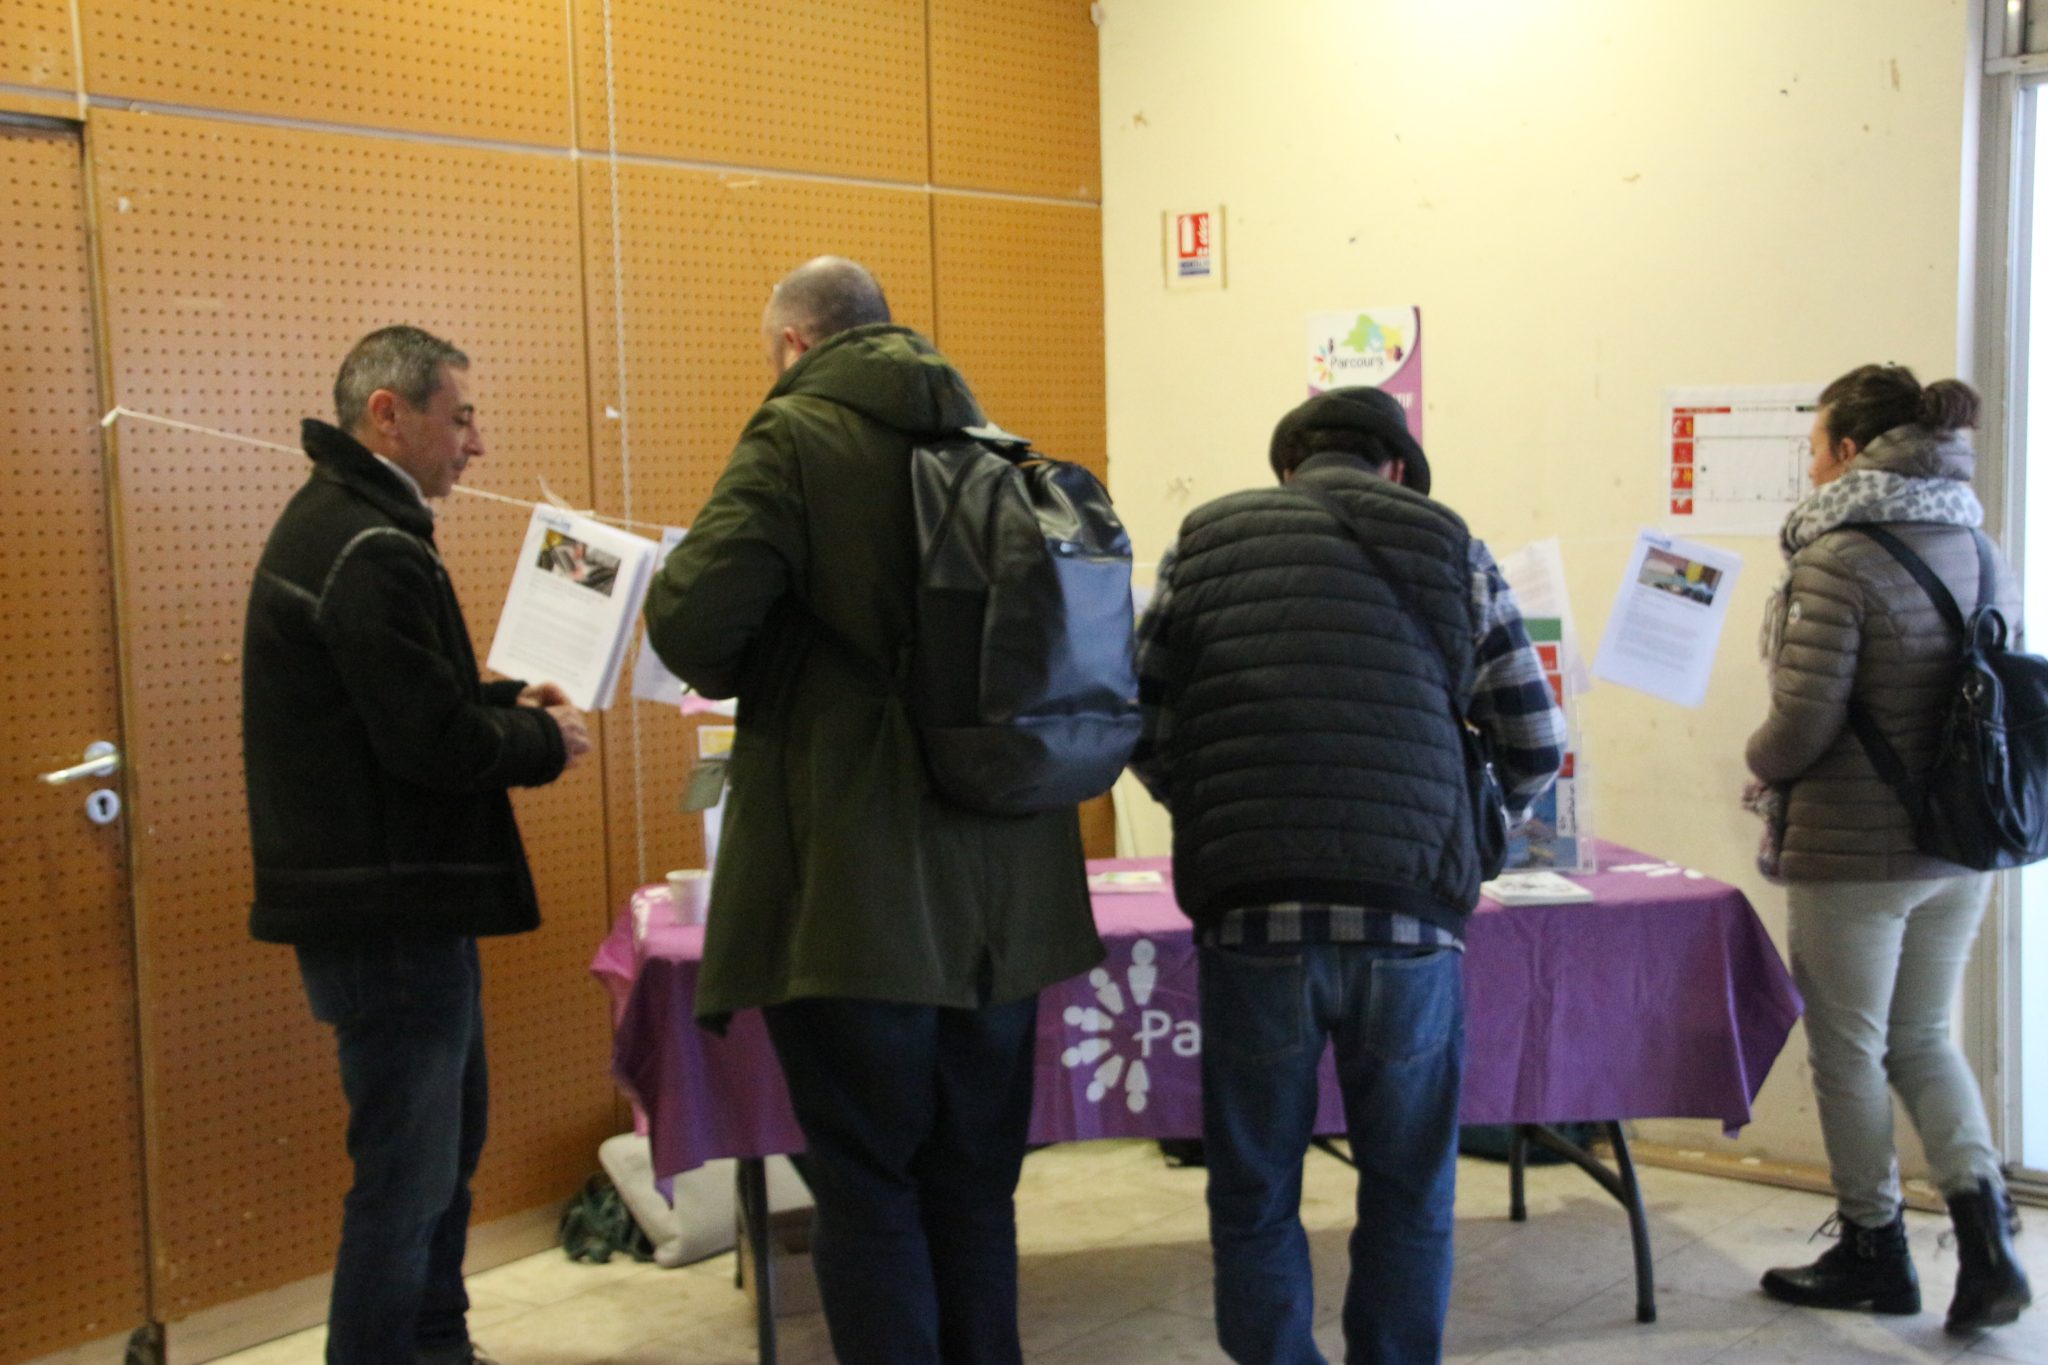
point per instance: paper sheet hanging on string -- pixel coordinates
(1665, 627)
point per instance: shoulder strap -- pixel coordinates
(1884, 759)
(1388, 575)
(1937, 591)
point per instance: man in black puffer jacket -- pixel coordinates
(1299, 729)
(378, 765)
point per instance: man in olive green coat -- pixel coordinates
(897, 942)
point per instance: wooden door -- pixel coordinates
(72, 1268)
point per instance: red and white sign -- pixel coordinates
(1735, 457)
(1194, 249)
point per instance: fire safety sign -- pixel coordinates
(1194, 248)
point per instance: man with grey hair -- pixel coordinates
(378, 765)
(896, 941)
(820, 298)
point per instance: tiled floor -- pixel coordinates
(1116, 1271)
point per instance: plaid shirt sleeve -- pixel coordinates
(1511, 703)
(1158, 673)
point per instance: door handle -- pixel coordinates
(102, 759)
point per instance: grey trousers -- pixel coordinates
(1879, 964)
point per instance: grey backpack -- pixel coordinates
(1021, 678)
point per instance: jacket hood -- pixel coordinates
(888, 373)
(1921, 453)
(341, 457)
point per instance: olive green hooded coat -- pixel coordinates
(839, 872)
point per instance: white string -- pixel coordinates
(78, 59)
(611, 116)
(116, 414)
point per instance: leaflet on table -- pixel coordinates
(1534, 888)
(1558, 833)
(1667, 618)
(575, 596)
(1136, 881)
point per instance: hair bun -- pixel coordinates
(1948, 405)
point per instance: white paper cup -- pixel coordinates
(689, 891)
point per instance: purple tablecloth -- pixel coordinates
(1661, 998)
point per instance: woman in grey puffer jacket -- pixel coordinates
(1880, 931)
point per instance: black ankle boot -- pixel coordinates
(1991, 1288)
(1868, 1268)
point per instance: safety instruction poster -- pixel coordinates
(1736, 456)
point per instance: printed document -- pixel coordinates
(651, 679)
(1534, 888)
(575, 597)
(1666, 623)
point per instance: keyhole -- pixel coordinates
(103, 807)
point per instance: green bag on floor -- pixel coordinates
(596, 1225)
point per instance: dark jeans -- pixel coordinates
(1396, 1017)
(409, 1023)
(915, 1118)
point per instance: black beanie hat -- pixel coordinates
(1322, 423)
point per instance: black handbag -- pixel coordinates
(1984, 801)
(1489, 802)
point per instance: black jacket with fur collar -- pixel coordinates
(377, 760)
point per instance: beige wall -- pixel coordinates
(1590, 201)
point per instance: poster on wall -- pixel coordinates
(1736, 456)
(1377, 346)
(1558, 836)
(1665, 628)
(1194, 248)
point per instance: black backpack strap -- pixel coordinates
(1388, 575)
(1937, 591)
(1883, 757)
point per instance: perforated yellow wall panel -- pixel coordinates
(71, 1254)
(1020, 311)
(241, 263)
(811, 85)
(1014, 97)
(701, 254)
(486, 68)
(35, 44)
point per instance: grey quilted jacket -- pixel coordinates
(1857, 625)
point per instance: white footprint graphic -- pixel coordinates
(1137, 1088)
(1105, 1079)
(1106, 990)
(1085, 1051)
(1144, 975)
(1087, 1018)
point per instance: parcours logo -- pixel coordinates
(1119, 1031)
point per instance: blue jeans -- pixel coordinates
(1396, 1017)
(408, 1020)
(915, 1120)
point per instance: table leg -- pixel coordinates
(1625, 1189)
(1518, 1165)
(1638, 1226)
(753, 1202)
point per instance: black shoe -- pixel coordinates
(1991, 1288)
(1868, 1268)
